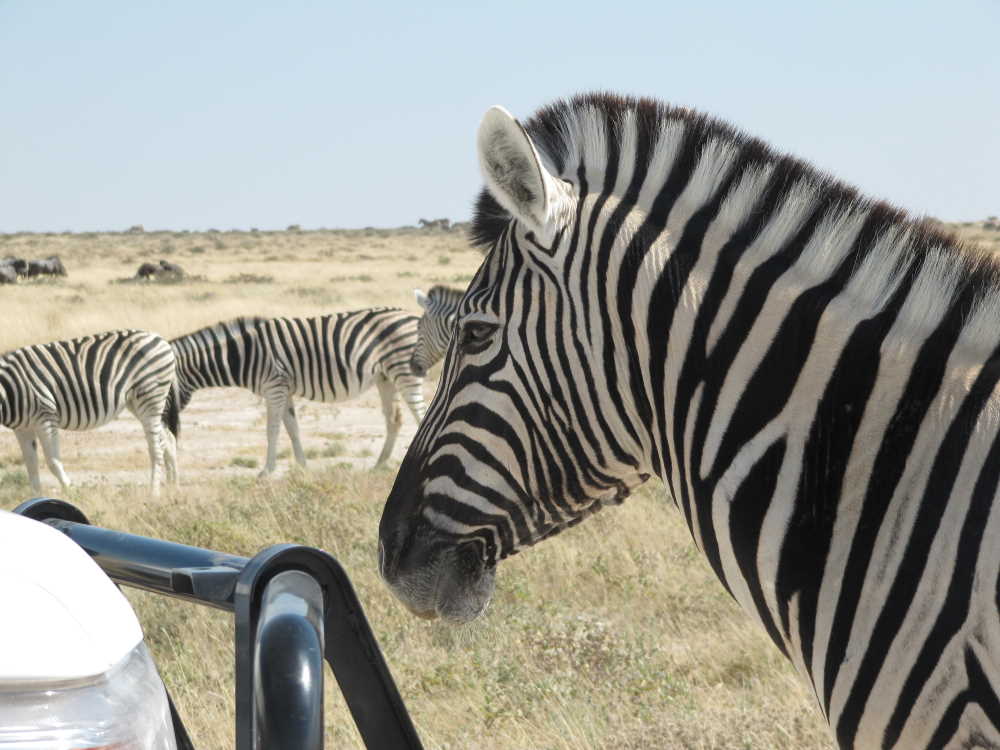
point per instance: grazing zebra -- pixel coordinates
(84, 383)
(436, 326)
(813, 375)
(329, 358)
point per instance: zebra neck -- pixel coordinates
(797, 352)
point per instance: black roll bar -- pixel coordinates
(293, 607)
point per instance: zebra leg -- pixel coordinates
(277, 405)
(153, 427)
(412, 390)
(393, 417)
(292, 428)
(170, 456)
(48, 435)
(147, 407)
(29, 450)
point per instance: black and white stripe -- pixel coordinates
(813, 375)
(84, 383)
(329, 358)
(436, 326)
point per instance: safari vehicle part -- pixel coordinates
(293, 606)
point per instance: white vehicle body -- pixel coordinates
(74, 670)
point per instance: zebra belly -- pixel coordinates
(87, 422)
(328, 392)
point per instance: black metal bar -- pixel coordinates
(48, 508)
(189, 573)
(239, 585)
(350, 648)
(288, 669)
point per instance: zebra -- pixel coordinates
(436, 325)
(328, 358)
(442, 224)
(84, 383)
(813, 375)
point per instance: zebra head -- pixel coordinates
(435, 327)
(527, 433)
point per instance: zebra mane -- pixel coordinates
(597, 138)
(446, 295)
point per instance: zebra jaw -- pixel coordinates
(616, 496)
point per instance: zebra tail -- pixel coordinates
(172, 411)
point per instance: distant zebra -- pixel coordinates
(84, 383)
(813, 375)
(329, 358)
(436, 326)
(442, 224)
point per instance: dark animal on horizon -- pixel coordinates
(170, 270)
(330, 358)
(813, 375)
(147, 271)
(18, 265)
(51, 266)
(164, 271)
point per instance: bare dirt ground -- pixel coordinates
(223, 434)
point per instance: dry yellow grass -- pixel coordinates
(613, 635)
(235, 273)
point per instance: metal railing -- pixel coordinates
(293, 606)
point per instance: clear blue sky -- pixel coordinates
(348, 114)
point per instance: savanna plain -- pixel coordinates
(615, 634)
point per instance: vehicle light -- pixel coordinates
(123, 709)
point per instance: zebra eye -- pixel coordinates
(476, 336)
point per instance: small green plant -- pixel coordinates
(444, 260)
(14, 479)
(332, 449)
(244, 463)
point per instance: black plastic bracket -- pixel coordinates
(293, 607)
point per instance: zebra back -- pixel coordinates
(325, 358)
(83, 382)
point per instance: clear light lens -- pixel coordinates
(123, 709)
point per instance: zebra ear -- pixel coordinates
(422, 299)
(513, 171)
